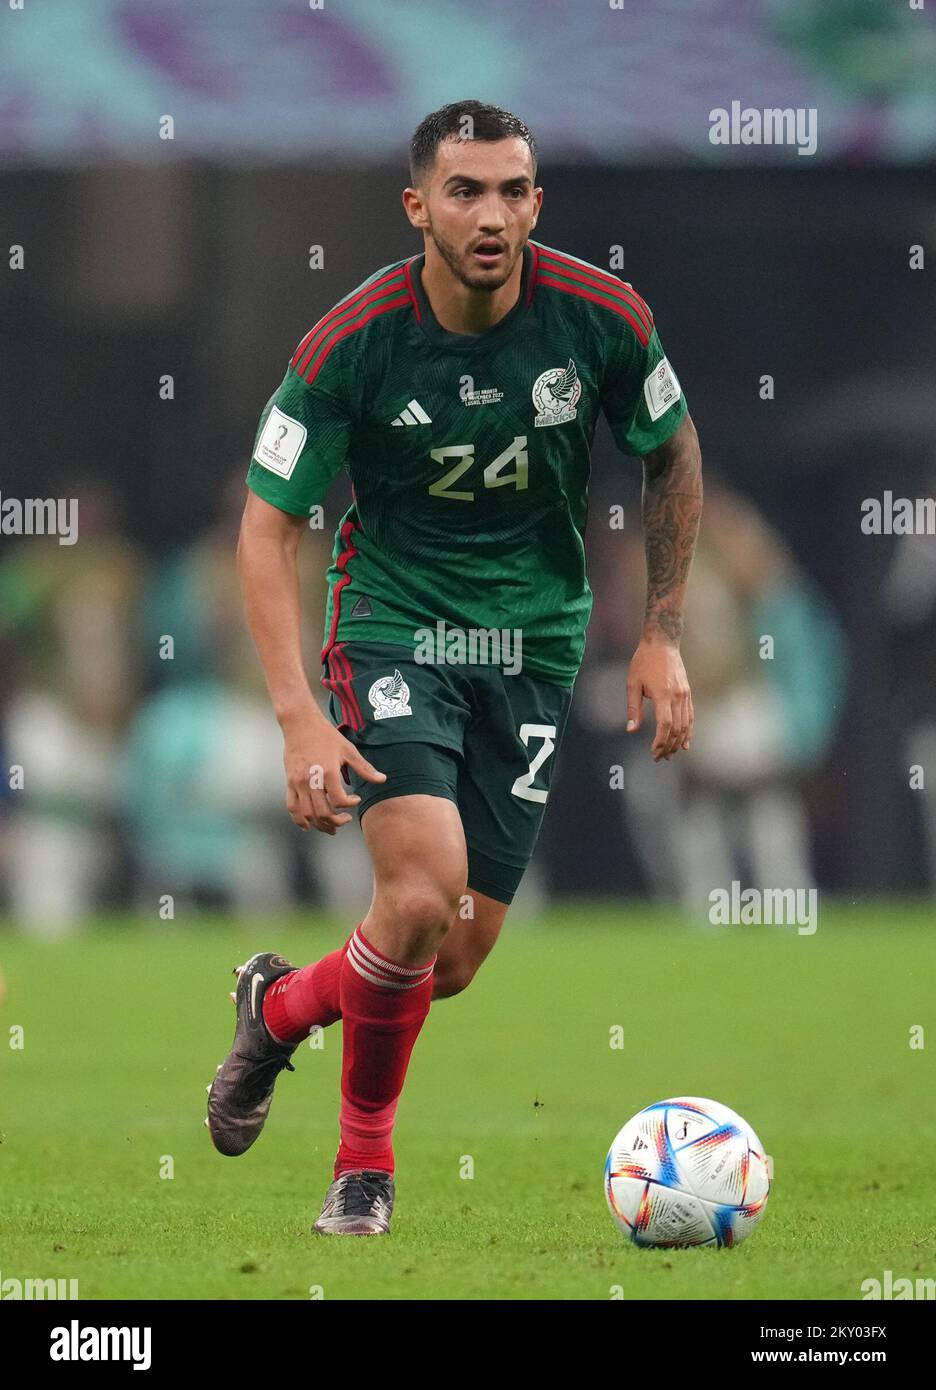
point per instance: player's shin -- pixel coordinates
(384, 1006)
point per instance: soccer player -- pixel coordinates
(460, 388)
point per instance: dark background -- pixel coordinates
(198, 267)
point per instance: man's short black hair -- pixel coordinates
(470, 120)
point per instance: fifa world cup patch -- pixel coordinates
(280, 444)
(555, 395)
(661, 389)
(389, 696)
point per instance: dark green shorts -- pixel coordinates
(469, 733)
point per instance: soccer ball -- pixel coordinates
(687, 1172)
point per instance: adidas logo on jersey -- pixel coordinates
(412, 415)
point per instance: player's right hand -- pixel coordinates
(314, 755)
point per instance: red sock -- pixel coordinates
(308, 998)
(383, 1005)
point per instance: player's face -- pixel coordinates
(479, 206)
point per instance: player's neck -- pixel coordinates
(457, 307)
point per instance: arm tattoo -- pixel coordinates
(671, 509)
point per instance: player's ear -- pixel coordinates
(537, 206)
(414, 207)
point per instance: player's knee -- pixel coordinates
(427, 909)
(432, 908)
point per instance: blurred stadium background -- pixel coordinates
(146, 258)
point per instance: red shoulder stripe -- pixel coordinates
(595, 273)
(598, 280)
(337, 311)
(616, 306)
(324, 346)
(412, 292)
(534, 272)
(342, 312)
(340, 315)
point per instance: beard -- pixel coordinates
(470, 277)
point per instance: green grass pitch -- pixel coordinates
(807, 1037)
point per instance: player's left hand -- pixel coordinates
(657, 672)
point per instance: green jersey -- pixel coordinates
(468, 455)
